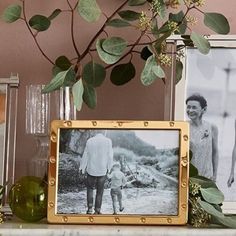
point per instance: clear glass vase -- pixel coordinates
(37, 125)
(40, 110)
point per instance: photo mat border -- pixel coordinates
(216, 41)
(131, 219)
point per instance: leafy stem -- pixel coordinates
(34, 35)
(129, 51)
(199, 10)
(102, 29)
(72, 29)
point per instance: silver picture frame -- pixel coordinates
(9, 101)
(212, 76)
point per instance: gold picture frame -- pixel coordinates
(169, 161)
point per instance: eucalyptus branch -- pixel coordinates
(76, 5)
(72, 29)
(102, 29)
(142, 18)
(130, 50)
(135, 51)
(68, 2)
(34, 36)
(199, 10)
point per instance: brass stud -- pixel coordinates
(117, 219)
(183, 184)
(94, 123)
(53, 137)
(51, 204)
(184, 206)
(52, 159)
(145, 123)
(90, 219)
(65, 219)
(69, 123)
(172, 124)
(185, 137)
(184, 162)
(52, 182)
(143, 220)
(120, 124)
(169, 220)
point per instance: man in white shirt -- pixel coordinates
(97, 161)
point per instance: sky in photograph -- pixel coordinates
(160, 139)
(207, 71)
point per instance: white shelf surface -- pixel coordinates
(18, 228)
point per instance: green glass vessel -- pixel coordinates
(28, 198)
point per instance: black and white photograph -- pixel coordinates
(210, 109)
(118, 171)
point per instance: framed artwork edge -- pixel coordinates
(8, 137)
(128, 219)
(216, 41)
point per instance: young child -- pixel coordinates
(118, 180)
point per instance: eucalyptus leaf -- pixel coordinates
(216, 22)
(204, 182)
(63, 63)
(77, 92)
(89, 10)
(89, 96)
(118, 23)
(56, 70)
(200, 42)
(145, 53)
(70, 78)
(114, 45)
(159, 42)
(179, 18)
(227, 221)
(57, 81)
(136, 2)
(122, 74)
(193, 171)
(154, 28)
(12, 13)
(190, 156)
(147, 75)
(162, 9)
(182, 27)
(54, 14)
(212, 195)
(179, 71)
(106, 57)
(39, 22)
(210, 209)
(94, 74)
(158, 71)
(164, 29)
(129, 15)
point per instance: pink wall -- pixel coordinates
(19, 54)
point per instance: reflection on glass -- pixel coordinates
(37, 122)
(39, 113)
(2, 125)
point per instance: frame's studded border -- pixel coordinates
(179, 219)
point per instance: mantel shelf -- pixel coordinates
(17, 228)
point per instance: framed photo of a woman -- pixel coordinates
(206, 97)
